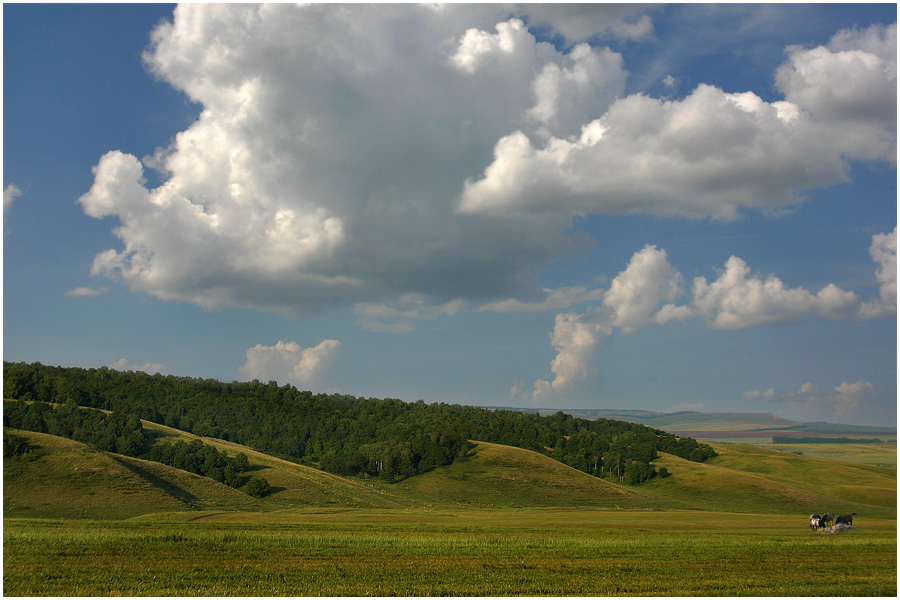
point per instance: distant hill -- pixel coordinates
(67, 479)
(690, 422)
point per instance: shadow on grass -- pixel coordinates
(158, 482)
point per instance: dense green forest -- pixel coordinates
(387, 438)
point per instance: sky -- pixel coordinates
(667, 207)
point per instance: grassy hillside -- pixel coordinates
(68, 479)
(882, 454)
(757, 480)
(295, 485)
(742, 479)
(502, 476)
(62, 478)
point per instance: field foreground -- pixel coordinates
(466, 552)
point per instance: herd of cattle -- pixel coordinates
(821, 522)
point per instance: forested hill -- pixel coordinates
(348, 435)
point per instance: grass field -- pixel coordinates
(474, 552)
(884, 454)
(507, 522)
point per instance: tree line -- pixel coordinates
(385, 438)
(123, 433)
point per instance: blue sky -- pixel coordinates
(676, 207)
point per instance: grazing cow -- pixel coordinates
(845, 519)
(828, 518)
(815, 522)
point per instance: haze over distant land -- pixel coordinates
(674, 208)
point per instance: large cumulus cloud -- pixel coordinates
(349, 155)
(326, 163)
(711, 154)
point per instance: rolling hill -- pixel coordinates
(68, 479)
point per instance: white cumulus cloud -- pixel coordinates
(357, 155)
(851, 84)
(85, 292)
(738, 299)
(636, 292)
(10, 193)
(713, 153)
(289, 362)
(884, 252)
(332, 141)
(646, 294)
(574, 338)
(123, 365)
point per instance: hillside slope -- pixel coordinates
(63, 478)
(68, 479)
(503, 476)
(294, 485)
(757, 480)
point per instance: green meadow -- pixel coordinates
(476, 552)
(884, 454)
(504, 522)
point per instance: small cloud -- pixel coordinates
(806, 388)
(150, 368)
(10, 193)
(850, 397)
(639, 30)
(670, 82)
(555, 299)
(85, 292)
(288, 362)
(518, 391)
(633, 296)
(883, 251)
(400, 315)
(757, 394)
